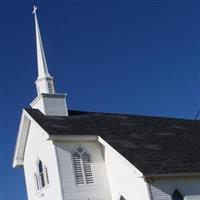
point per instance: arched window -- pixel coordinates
(41, 176)
(82, 167)
(177, 195)
(36, 182)
(122, 198)
(41, 173)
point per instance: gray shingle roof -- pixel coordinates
(155, 145)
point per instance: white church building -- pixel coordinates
(76, 155)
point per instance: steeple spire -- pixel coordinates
(47, 101)
(44, 82)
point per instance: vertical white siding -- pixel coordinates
(38, 147)
(100, 190)
(124, 178)
(163, 188)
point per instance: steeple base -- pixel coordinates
(51, 104)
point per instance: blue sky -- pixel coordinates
(138, 57)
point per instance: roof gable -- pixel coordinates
(22, 137)
(155, 145)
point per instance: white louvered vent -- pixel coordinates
(78, 168)
(87, 168)
(82, 167)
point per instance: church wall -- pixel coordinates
(38, 148)
(163, 188)
(100, 190)
(124, 178)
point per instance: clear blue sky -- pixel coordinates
(138, 57)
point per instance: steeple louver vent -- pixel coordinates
(82, 167)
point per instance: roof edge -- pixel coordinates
(169, 175)
(21, 140)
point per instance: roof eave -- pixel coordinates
(168, 175)
(26, 119)
(72, 137)
(21, 140)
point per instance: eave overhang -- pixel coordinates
(22, 136)
(171, 175)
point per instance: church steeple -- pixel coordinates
(47, 101)
(44, 82)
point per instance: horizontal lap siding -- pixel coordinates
(163, 188)
(97, 191)
(158, 194)
(193, 197)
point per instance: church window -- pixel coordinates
(41, 176)
(122, 198)
(41, 173)
(177, 195)
(46, 175)
(36, 182)
(82, 167)
(50, 88)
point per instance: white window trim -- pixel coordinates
(37, 178)
(82, 167)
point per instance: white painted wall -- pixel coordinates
(163, 188)
(51, 104)
(100, 190)
(38, 147)
(124, 178)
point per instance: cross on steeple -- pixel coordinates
(34, 11)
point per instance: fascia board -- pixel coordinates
(170, 175)
(73, 137)
(21, 140)
(22, 136)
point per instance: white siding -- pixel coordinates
(124, 178)
(158, 194)
(38, 147)
(193, 197)
(162, 189)
(100, 190)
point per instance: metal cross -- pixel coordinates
(34, 11)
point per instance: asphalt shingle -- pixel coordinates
(155, 145)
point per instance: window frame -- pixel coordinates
(82, 166)
(121, 197)
(37, 176)
(178, 192)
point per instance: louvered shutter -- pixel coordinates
(87, 168)
(78, 168)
